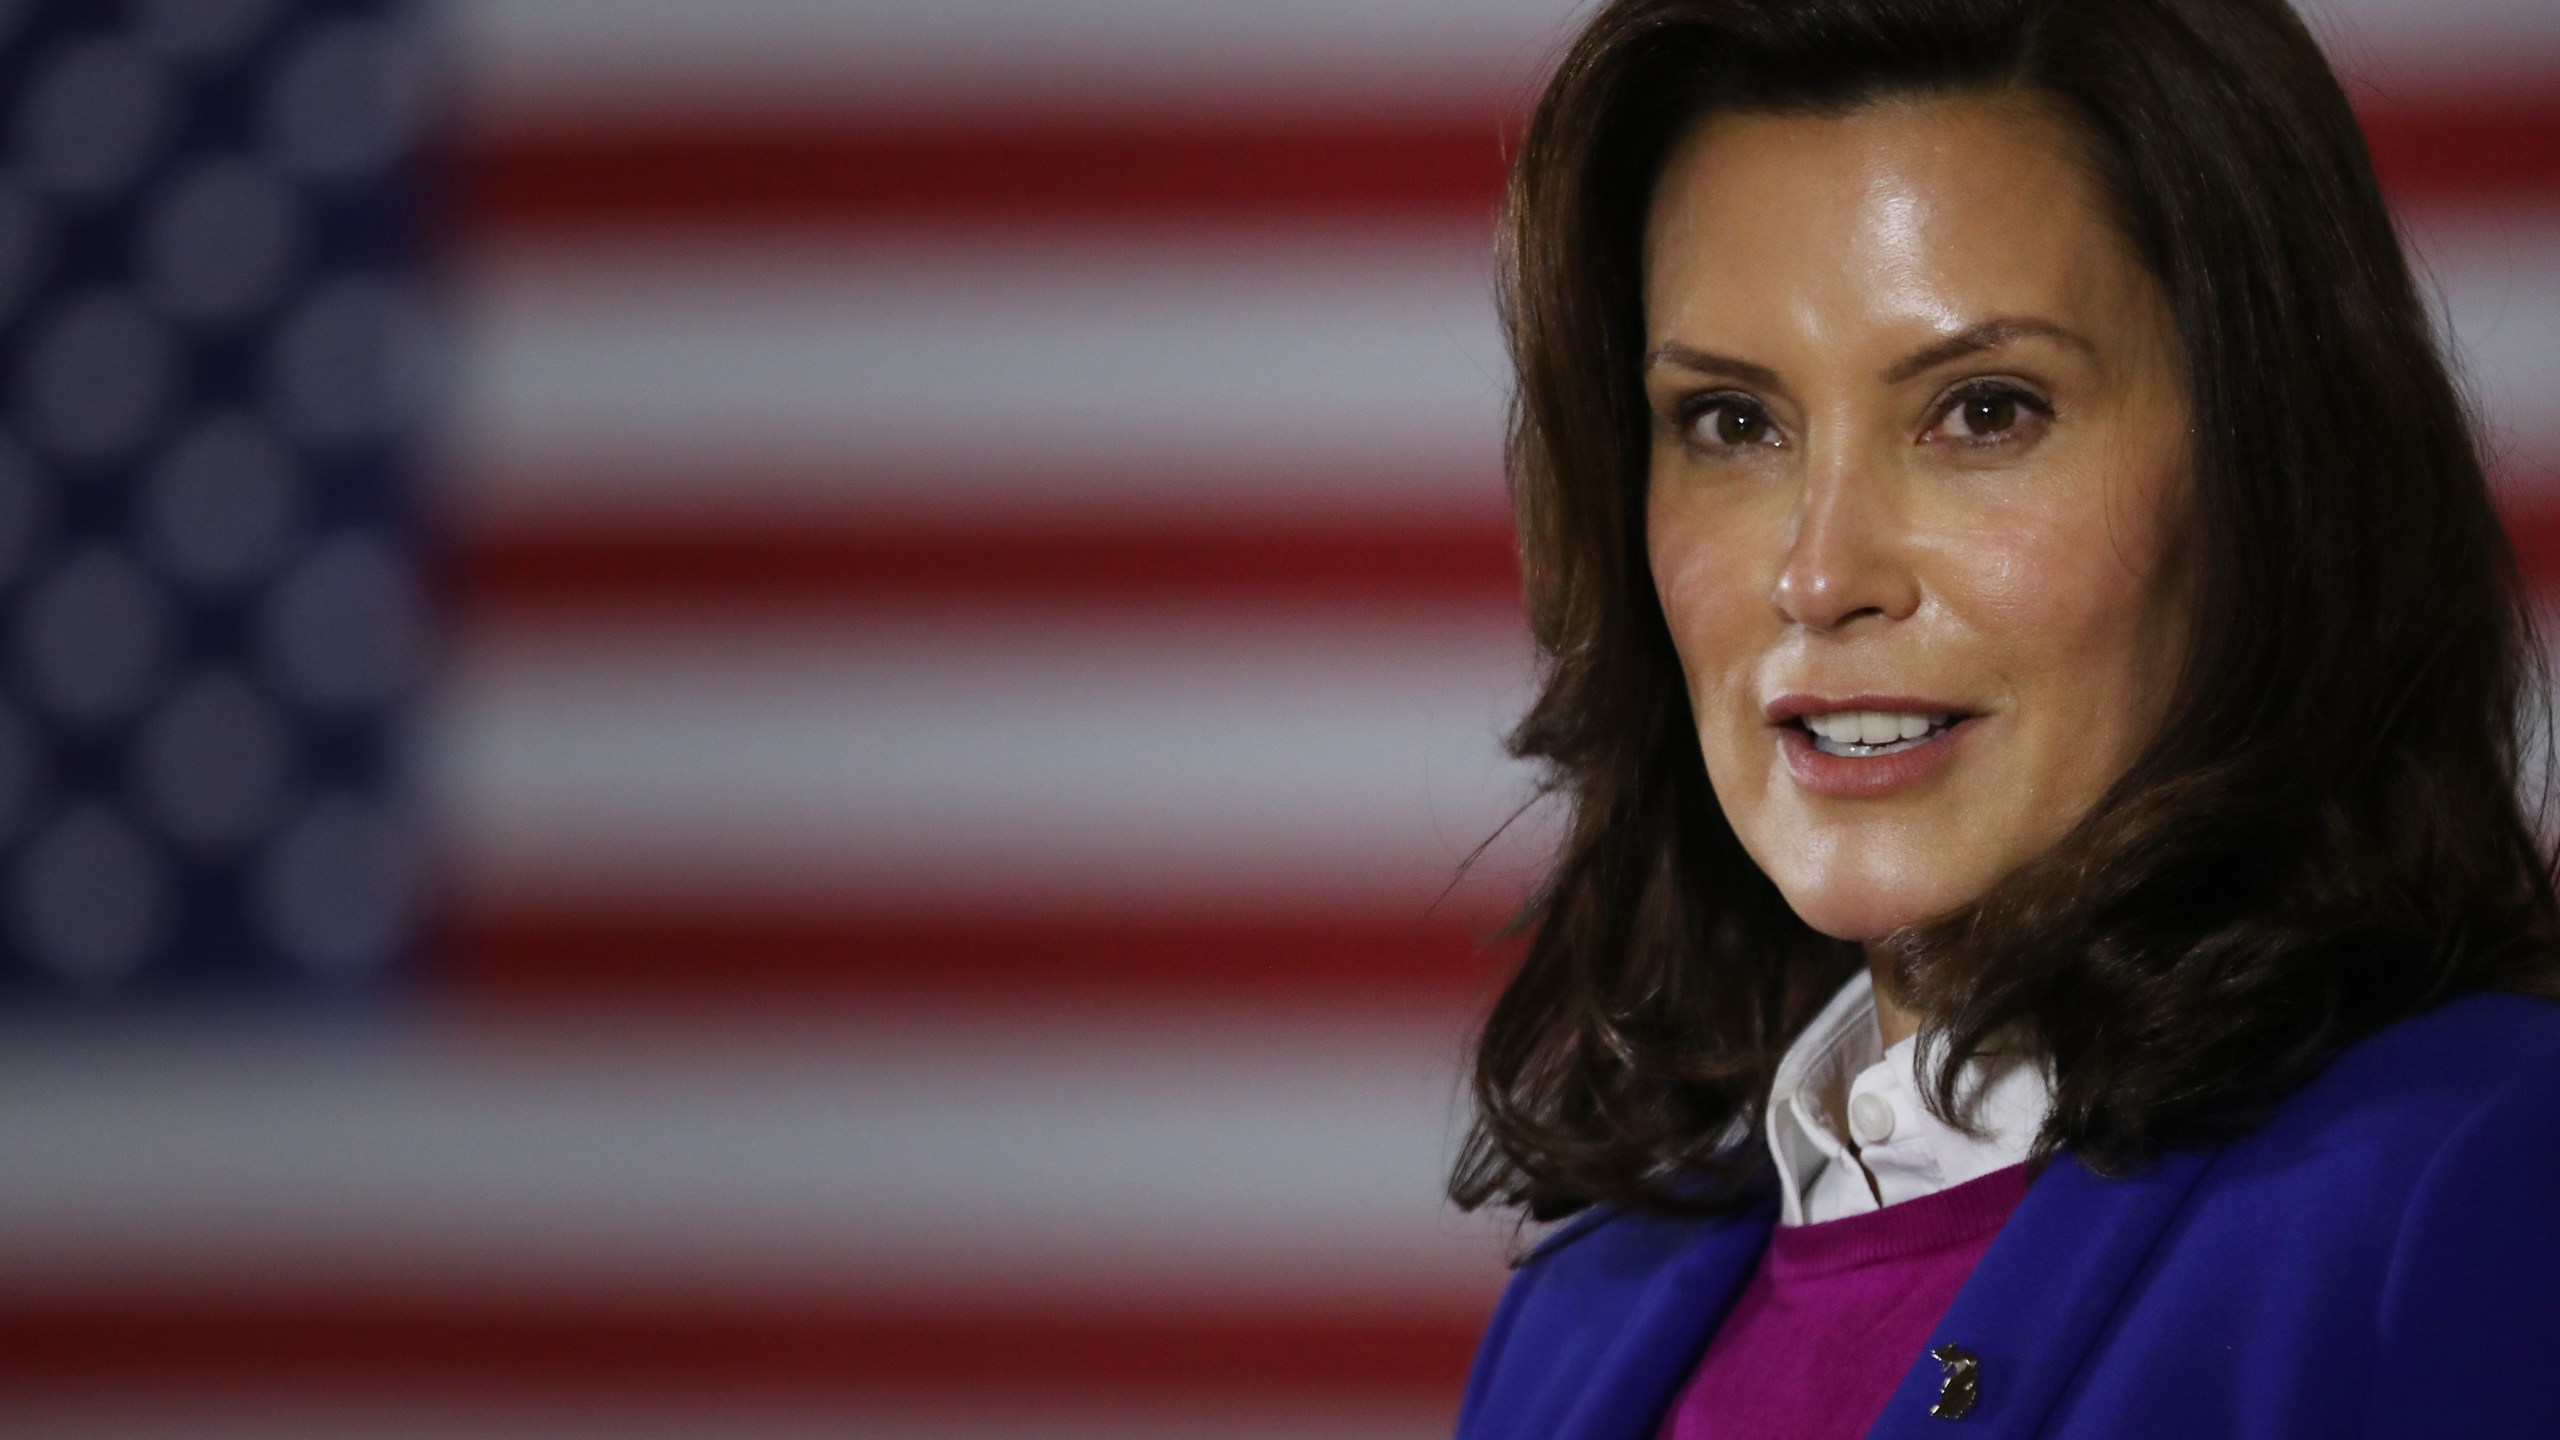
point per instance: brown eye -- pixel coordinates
(1737, 426)
(1988, 414)
(1730, 424)
(1992, 416)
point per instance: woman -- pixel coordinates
(2047, 932)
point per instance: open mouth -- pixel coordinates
(1867, 734)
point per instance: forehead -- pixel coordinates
(1926, 213)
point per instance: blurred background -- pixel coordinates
(757, 717)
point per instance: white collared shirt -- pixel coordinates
(1849, 1134)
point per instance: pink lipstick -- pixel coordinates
(1864, 746)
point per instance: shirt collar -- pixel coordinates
(1840, 1062)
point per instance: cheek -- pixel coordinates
(1701, 578)
(1712, 577)
(2075, 604)
(2040, 583)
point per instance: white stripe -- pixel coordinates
(557, 55)
(2410, 46)
(571, 54)
(2494, 277)
(892, 1158)
(1075, 757)
(1352, 372)
(998, 371)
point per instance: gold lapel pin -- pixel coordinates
(1963, 1383)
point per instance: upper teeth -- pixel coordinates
(1871, 727)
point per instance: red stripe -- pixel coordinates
(630, 569)
(823, 170)
(817, 562)
(828, 170)
(637, 1349)
(634, 952)
(2533, 527)
(2469, 149)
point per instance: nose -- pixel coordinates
(1845, 558)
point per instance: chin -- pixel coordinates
(1859, 909)
(1851, 920)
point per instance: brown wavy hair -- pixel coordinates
(2325, 836)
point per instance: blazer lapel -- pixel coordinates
(1664, 1332)
(2043, 1290)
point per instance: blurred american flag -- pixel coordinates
(982, 617)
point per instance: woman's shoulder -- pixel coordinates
(2478, 1072)
(2428, 1075)
(2403, 1198)
(1614, 1304)
(2443, 1128)
(1612, 1244)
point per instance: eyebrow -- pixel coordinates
(1989, 334)
(1672, 352)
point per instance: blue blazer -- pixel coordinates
(2381, 1258)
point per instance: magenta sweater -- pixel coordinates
(1836, 1313)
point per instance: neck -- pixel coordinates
(1893, 1020)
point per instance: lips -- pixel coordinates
(1865, 746)
(1872, 732)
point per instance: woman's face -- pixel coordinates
(1920, 442)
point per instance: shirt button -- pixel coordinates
(1871, 1119)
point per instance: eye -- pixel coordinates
(1986, 414)
(1989, 414)
(1727, 422)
